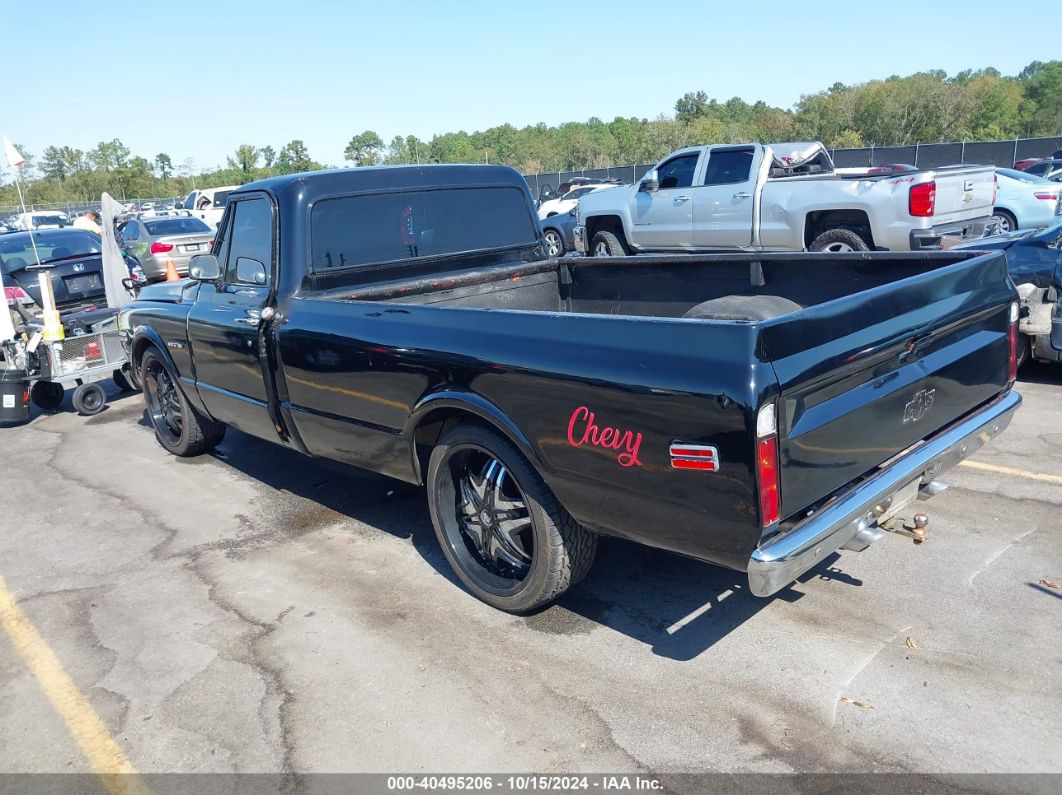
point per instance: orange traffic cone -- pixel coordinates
(171, 272)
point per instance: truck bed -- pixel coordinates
(664, 286)
(869, 331)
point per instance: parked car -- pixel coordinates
(548, 193)
(41, 219)
(152, 241)
(208, 204)
(757, 411)
(566, 203)
(784, 197)
(1034, 259)
(1048, 169)
(1021, 165)
(559, 233)
(73, 259)
(1025, 201)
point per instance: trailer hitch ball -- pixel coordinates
(920, 532)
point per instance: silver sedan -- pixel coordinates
(154, 241)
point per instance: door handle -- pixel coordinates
(680, 199)
(742, 195)
(247, 321)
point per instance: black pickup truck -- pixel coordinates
(756, 411)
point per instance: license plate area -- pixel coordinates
(83, 284)
(191, 247)
(891, 506)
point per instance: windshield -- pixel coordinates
(16, 251)
(1022, 176)
(176, 226)
(189, 201)
(50, 220)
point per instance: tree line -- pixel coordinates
(926, 107)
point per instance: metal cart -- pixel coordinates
(84, 360)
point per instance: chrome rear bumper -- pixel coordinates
(783, 558)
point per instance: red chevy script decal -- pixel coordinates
(583, 430)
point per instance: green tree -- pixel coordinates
(269, 156)
(163, 166)
(293, 158)
(364, 149)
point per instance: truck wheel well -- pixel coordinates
(604, 223)
(822, 220)
(433, 424)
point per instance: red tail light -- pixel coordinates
(1047, 197)
(25, 397)
(160, 248)
(1012, 338)
(995, 188)
(767, 465)
(922, 199)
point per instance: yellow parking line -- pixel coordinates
(107, 758)
(1018, 473)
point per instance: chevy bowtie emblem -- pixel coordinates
(919, 406)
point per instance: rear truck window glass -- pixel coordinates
(384, 227)
(728, 167)
(221, 198)
(176, 226)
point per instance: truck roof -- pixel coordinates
(374, 178)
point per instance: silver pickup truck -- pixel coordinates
(783, 197)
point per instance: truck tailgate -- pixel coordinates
(864, 377)
(964, 194)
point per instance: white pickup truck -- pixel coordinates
(783, 197)
(208, 204)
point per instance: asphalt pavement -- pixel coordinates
(257, 611)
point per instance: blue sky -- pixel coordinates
(196, 79)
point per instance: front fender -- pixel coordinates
(140, 339)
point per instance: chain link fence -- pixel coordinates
(74, 209)
(1003, 154)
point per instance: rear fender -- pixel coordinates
(451, 404)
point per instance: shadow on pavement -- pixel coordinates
(678, 606)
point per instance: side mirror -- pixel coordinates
(250, 271)
(204, 268)
(651, 183)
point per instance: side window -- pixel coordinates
(248, 244)
(728, 166)
(678, 171)
(132, 231)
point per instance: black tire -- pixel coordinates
(47, 395)
(520, 569)
(838, 240)
(607, 244)
(178, 426)
(1007, 221)
(121, 381)
(554, 243)
(89, 399)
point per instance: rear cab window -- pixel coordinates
(352, 231)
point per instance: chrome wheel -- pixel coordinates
(164, 402)
(838, 248)
(554, 244)
(491, 532)
(1003, 222)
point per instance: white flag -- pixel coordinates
(114, 267)
(14, 157)
(7, 328)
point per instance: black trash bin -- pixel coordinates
(14, 396)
